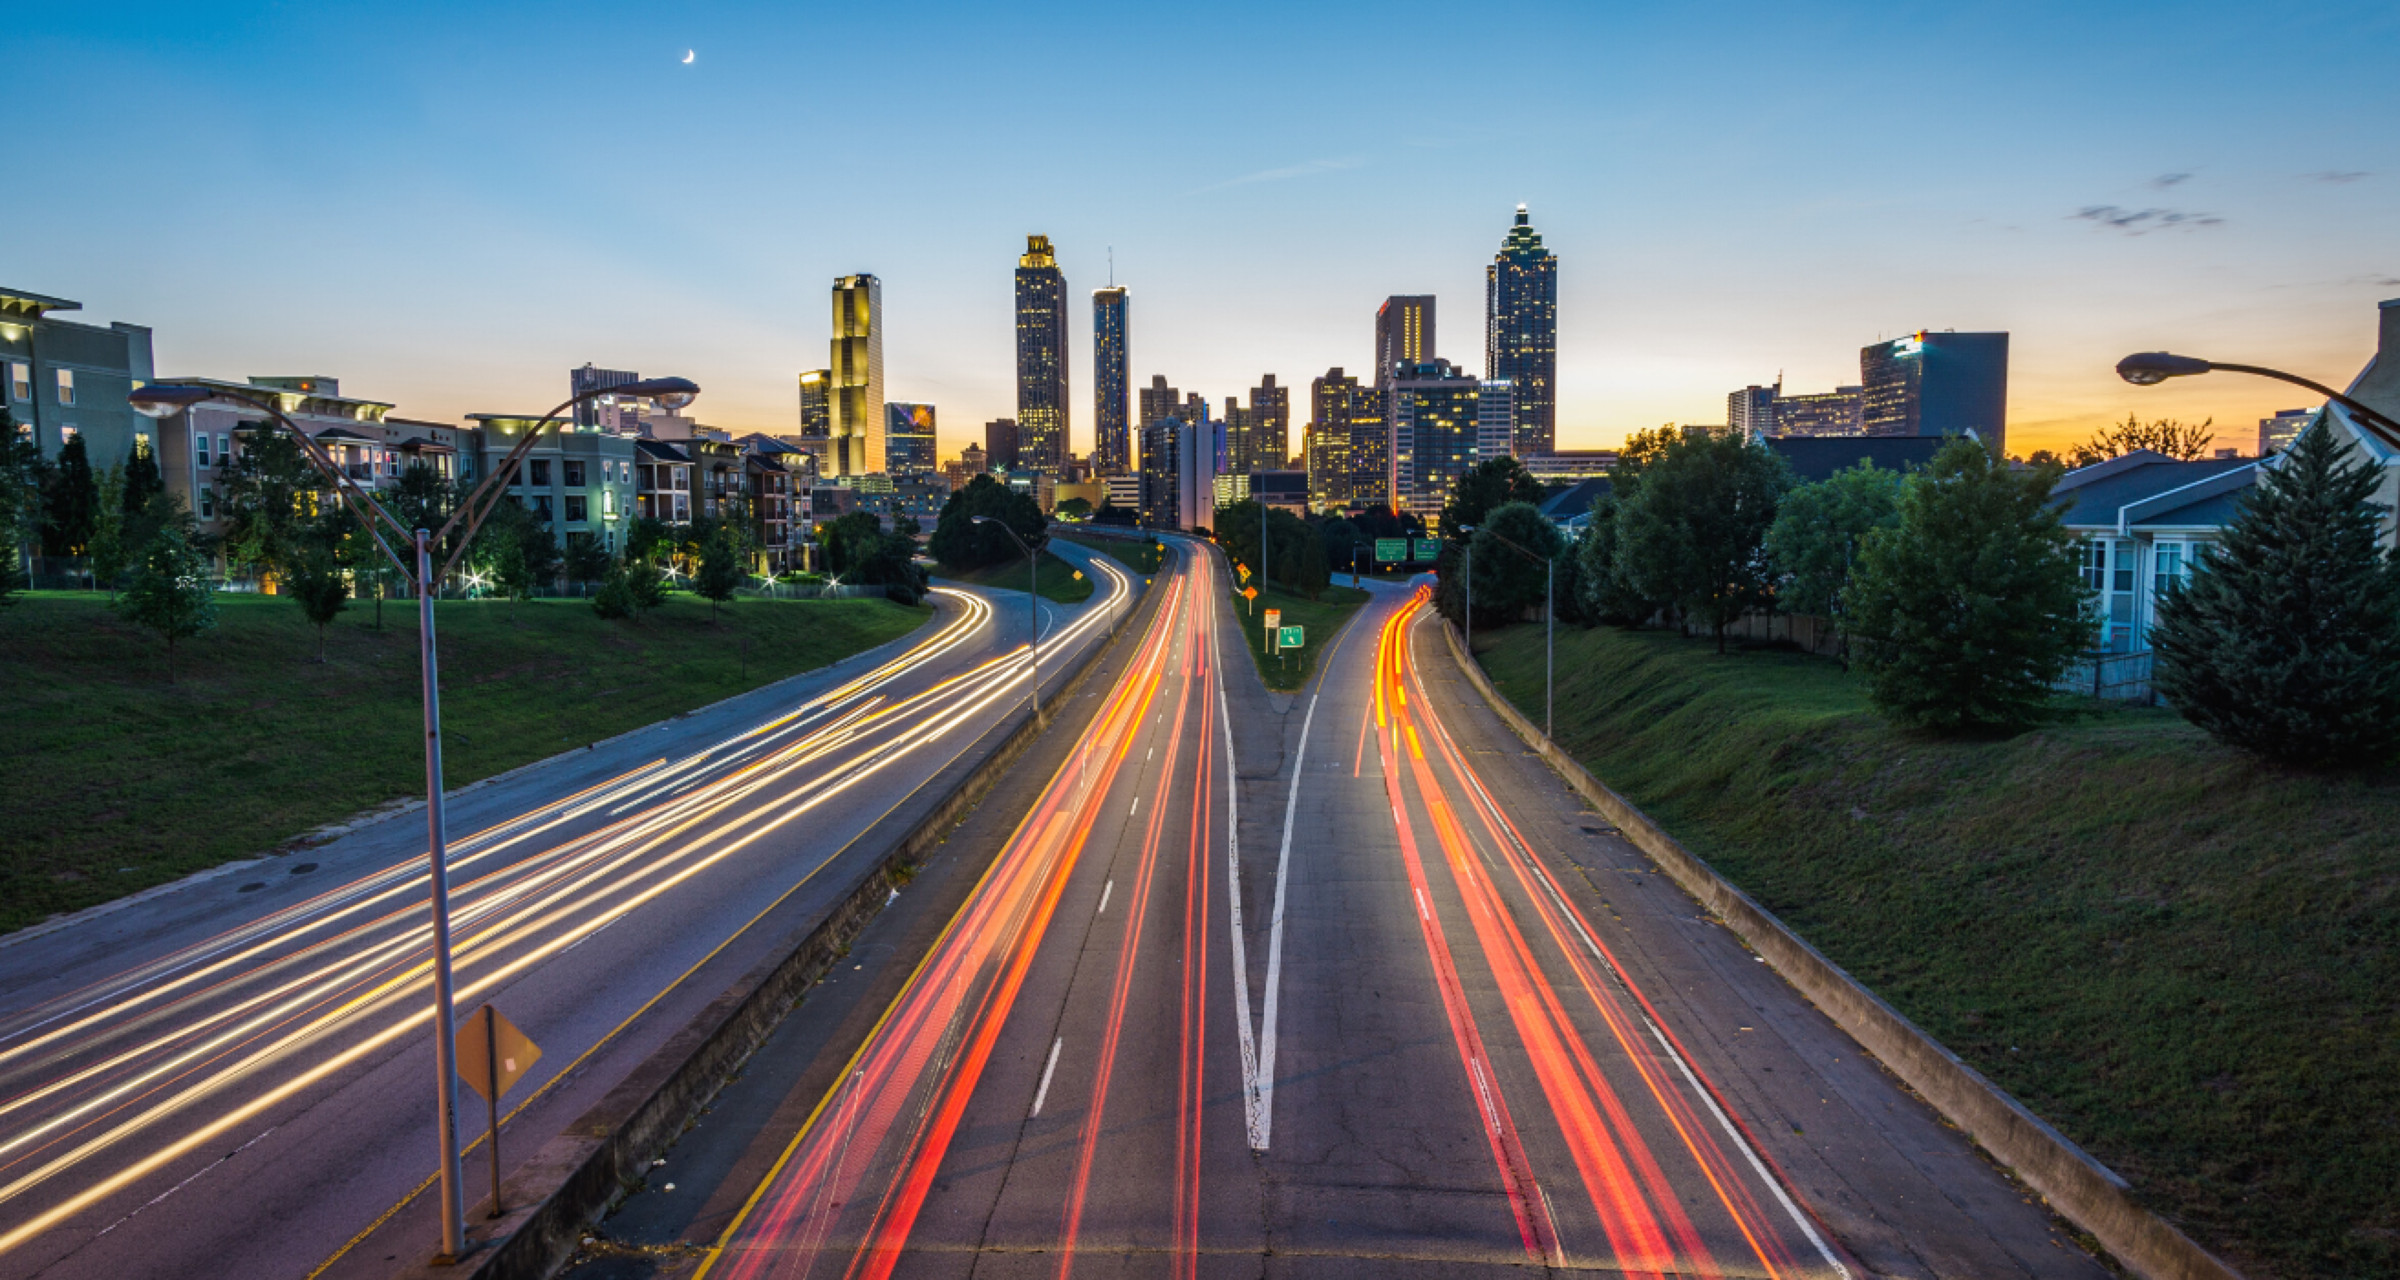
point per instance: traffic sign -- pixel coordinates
(492, 1054)
(1290, 639)
(1243, 570)
(1429, 549)
(1249, 593)
(1274, 618)
(1391, 548)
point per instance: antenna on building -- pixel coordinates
(1112, 266)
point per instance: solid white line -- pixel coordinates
(1044, 1091)
(1105, 890)
(1137, 807)
(1241, 944)
(1283, 865)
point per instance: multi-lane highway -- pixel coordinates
(1340, 985)
(237, 1079)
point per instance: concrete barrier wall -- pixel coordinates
(2086, 1192)
(579, 1174)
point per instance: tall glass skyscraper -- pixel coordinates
(1936, 384)
(856, 404)
(1112, 389)
(1520, 340)
(1403, 334)
(816, 418)
(1042, 418)
(908, 438)
(1437, 414)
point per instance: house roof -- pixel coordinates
(1815, 458)
(1574, 500)
(659, 449)
(2151, 490)
(344, 433)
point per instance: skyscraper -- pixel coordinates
(1403, 334)
(1826, 413)
(1161, 401)
(816, 418)
(908, 438)
(855, 417)
(1520, 335)
(1042, 420)
(1112, 385)
(1750, 412)
(1178, 489)
(1000, 444)
(1936, 384)
(1264, 438)
(1330, 484)
(1437, 415)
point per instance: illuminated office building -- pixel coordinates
(908, 438)
(1257, 436)
(1750, 412)
(855, 416)
(816, 418)
(1403, 334)
(1520, 341)
(1936, 384)
(1178, 474)
(1042, 419)
(1112, 384)
(1826, 413)
(1330, 484)
(1438, 423)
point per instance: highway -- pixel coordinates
(1340, 985)
(237, 1078)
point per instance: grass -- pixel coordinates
(2184, 958)
(1320, 619)
(116, 781)
(1142, 556)
(1054, 579)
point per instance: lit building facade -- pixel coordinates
(2278, 432)
(1112, 383)
(1828, 413)
(1520, 341)
(1936, 384)
(908, 438)
(1403, 334)
(1495, 420)
(854, 416)
(1042, 417)
(816, 417)
(1256, 436)
(64, 379)
(1750, 412)
(1330, 484)
(1437, 425)
(1178, 475)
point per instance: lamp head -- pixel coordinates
(670, 393)
(166, 399)
(2149, 368)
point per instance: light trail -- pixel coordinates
(109, 1084)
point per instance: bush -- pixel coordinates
(2287, 640)
(1970, 607)
(959, 544)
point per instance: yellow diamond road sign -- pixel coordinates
(492, 1053)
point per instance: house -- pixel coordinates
(2139, 519)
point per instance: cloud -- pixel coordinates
(2166, 180)
(2134, 222)
(1302, 170)
(2338, 175)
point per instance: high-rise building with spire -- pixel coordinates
(855, 406)
(1042, 418)
(1520, 342)
(1112, 389)
(1403, 334)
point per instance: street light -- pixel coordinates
(167, 399)
(1033, 609)
(2149, 368)
(1549, 625)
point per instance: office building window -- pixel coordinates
(575, 508)
(541, 471)
(574, 472)
(20, 380)
(66, 386)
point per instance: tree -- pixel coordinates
(20, 501)
(1967, 611)
(1075, 509)
(269, 492)
(2286, 642)
(110, 547)
(514, 549)
(313, 576)
(2174, 439)
(1494, 482)
(1691, 531)
(70, 501)
(142, 482)
(1605, 593)
(724, 565)
(959, 544)
(1814, 541)
(1506, 583)
(586, 560)
(169, 591)
(634, 586)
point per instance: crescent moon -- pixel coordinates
(687, 57)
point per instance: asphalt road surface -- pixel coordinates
(237, 1078)
(1341, 985)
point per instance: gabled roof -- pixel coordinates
(1574, 500)
(1815, 458)
(659, 449)
(344, 433)
(2152, 490)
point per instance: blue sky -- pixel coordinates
(448, 205)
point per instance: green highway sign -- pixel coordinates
(1429, 549)
(1391, 548)
(1290, 639)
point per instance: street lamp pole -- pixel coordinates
(2149, 368)
(1033, 609)
(167, 399)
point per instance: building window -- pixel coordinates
(20, 380)
(575, 508)
(68, 431)
(608, 503)
(574, 472)
(2167, 566)
(208, 504)
(224, 449)
(541, 507)
(66, 386)
(541, 471)
(200, 448)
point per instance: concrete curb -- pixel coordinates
(2086, 1192)
(591, 1164)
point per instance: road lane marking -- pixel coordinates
(1263, 1124)
(1044, 1092)
(1137, 807)
(1105, 890)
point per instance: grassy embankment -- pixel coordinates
(115, 780)
(2184, 958)
(1054, 579)
(1320, 621)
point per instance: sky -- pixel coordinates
(449, 205)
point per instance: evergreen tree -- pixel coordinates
(2286, 642)
(110, 546)
(142, 481)
(20, 503)
(1691, 533)
(269, 493)
(1968, 610)
(169, 591)
(960, 544)
(313, 577)
(70, 501)
(1607, 594)
(724, 565)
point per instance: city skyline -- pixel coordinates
(2242, 228)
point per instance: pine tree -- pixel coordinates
(169, 591)
(142, 481)
(1970, 608)
(70, 501)
(2286, 642)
